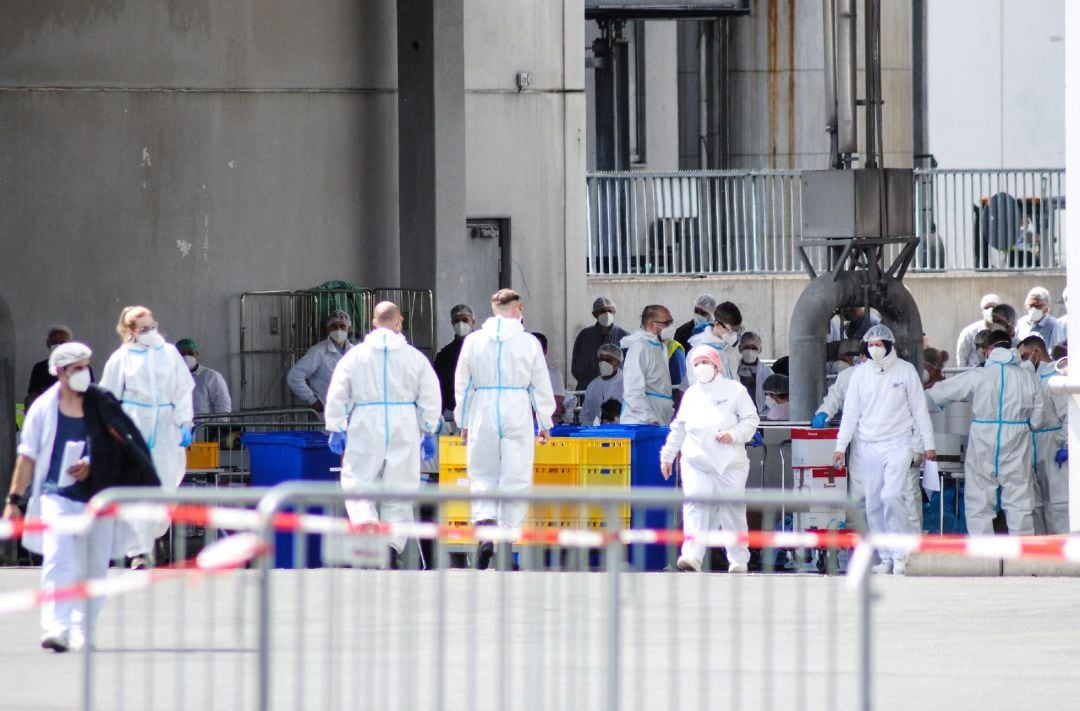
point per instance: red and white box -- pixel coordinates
(813, 447)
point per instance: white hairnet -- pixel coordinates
(1039, 293)
(706, 302)
(67, 353)
(339, 315)
(879, 332)
(602, 303)
(989, 301)
(461, 309)
(611, 350)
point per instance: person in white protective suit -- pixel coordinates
(1006, 405)
(383, 399)
(967, 351)
(646, 378)
(309, 378)
(883, 405)
(500, 385)
(153, 383)
(716, 419)
(1051, 469)
(722, 335)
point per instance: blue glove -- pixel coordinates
(757, 440)
(1062, 456)
(820, 420)
(185, 436)
(337, 443)
(427, 447)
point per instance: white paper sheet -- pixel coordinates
(930, 480)
(72, 453)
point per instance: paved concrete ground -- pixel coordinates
(363, 639)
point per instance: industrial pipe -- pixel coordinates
(829, 28)
(846, 94)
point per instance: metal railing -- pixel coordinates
(749, 222)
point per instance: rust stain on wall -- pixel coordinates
(771, 72)
(791, 86)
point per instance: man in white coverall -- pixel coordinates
(1051, 466)
(153, 383)
(500, 383)
(716, 419)
(646, 377)
(1007, 403)
(883, 405)
(383, 398)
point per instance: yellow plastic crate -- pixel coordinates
(558, 452)
(596, 477)
(554, 515)
(596, 452)
(203, 455)
(454, 513)
(451, 452)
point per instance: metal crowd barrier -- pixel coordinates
(567, 620)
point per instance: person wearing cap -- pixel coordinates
(463, 322)
(883, 406)
(583, 365)
(775, 388)
(609, 386)
(967, 353)
(1007, 403)
(752, 370)
(1038, 321)
(211, 394)
(704, 306)
(152, 382)
(75, 442)
(309, 378)
(715, 421)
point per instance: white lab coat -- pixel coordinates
(500, 384)
(710, 468)
(385, 395)
(1006, 404)
(599, 392)
(309, 378)
(1051, 481)
(646, 381)
(154, 387)
(967, 355)
(211, 392)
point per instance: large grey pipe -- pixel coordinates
(829, 29)
(810, 326)
(846, 94)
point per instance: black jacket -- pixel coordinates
(118, 454)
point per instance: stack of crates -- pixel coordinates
(203, 455)
(453, 476)
(604, 463)
(557, 463)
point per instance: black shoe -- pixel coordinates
(394, 563)
(142, 562)
(486, 550)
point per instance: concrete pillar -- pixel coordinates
(431, 144)
(1072, 272)
(8, 398)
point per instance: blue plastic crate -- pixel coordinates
(289, 456)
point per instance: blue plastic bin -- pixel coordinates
(646, 441)
(287, 456)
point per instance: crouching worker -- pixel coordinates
(75, 442)
(716, 419)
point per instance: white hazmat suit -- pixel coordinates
(385, 396)
(309, 378)
(646, 381)
(1006, 404)
(154, 386)
(710, 468)
(884, 403)
(729, 355)
(500, 383)
(1051, 481)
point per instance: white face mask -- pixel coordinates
(80, 382)
(605, 319)
(704, 372)
(770, 401)
(339, 336)
(462, 328)
(750, 355)
(1035, 315)
(149, 338)
(192, 362)
(925, 376)
(667, 334)
(730, 338)
(1028, 366)
(877, 353)
(606, 369)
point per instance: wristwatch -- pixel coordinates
(15, 499)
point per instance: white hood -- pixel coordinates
(638, 335)
(384, 338)
(500, 328)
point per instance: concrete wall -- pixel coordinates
(947, 302)
(996, 83)
(176, 153)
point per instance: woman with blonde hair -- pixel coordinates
(154, 386)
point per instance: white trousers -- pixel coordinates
(980, 498)
(698, 517)
(503, 464)
(1051, 484)
(386, 478)
(68, 559)
(884, 468)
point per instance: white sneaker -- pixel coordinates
(76, 640)
(57, 642)
(884, 567)
(688, 564)
(737, 568)
(899, 566)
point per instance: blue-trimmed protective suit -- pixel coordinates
(1051, 480)
(501, 381)
(385, 395)
(646, 381)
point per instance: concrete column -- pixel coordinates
(431, 147)
(1072, 273)
(8, 398)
